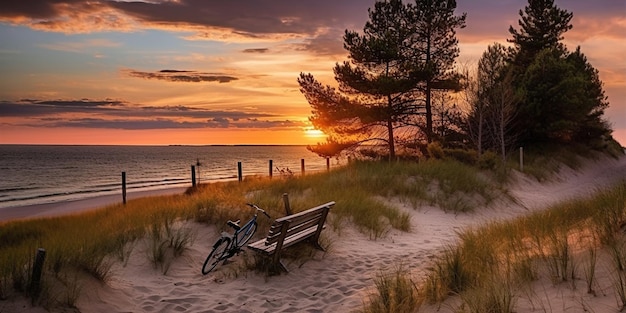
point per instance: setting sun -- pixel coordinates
(314, 133)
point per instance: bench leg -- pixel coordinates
(282, 266)
(278, 263)
(316, 244)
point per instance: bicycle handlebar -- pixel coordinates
(254, 206)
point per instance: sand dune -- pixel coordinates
(341, 279)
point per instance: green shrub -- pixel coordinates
(488, 160)
(435, 151)
(468, 157)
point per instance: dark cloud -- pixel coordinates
(30, 107)
(122, 115)
(249, 18)
(183, 76)
(330, 44)
(164, 123)
(320, 22)
(36, 9)
(258, 50)
(38, 108)
(128, 124)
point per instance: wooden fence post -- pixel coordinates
(35, 283)
(302, 166)
(193, 176)
(271, 168)
(521, 159)
(124, 187)
(327, 164)
(287, 206)
(239, 171)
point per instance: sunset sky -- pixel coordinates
(164, 72)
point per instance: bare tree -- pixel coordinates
(492, 102)
(503, 108)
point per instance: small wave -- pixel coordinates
(14, 189)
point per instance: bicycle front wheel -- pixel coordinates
(217, 255)
(245, 234)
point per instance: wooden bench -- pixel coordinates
(289, 230)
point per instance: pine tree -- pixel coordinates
(403, 52)
(563, 99)
(435, 28)
(542, 26)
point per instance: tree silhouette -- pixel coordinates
(563, 99)
(403, 53)
(435, 25)
(542, 26)
(376, 86)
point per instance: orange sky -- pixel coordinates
(221, 72)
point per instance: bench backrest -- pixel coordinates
(299, 222)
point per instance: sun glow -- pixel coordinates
(314, 133)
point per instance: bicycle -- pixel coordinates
(230, 244)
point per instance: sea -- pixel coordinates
(39, 174)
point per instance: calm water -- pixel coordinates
(34, 174)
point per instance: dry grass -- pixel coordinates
(492, 263)
(91, 241)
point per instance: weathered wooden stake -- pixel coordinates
(193, 176)
(302, 165)
(124, 187)
(239, 171)
(35, 284)
(271, 168)
(521, 159)
(327, 164)
(287, 206)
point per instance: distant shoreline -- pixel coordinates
(75, 206)
(164, 145)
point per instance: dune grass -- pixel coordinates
(491, 263)
(91, 242)
(395, 293)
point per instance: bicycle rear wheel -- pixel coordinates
(220, 248)
(244, 236)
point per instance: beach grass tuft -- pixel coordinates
(395, 292)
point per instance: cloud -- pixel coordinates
(29, 107)
(315, 26)
(182, 76)
(253, 17)
(258, 50)
(66, 16)
(327, 43)
(114, 114)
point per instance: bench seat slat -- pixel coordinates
(294, 216)
(269, 249)
(294, 228)
(316, 215)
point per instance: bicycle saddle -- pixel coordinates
(234, 225)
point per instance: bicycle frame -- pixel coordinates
(234, 246)
(234, 241)
(245, 229)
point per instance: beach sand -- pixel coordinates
(341, 279)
